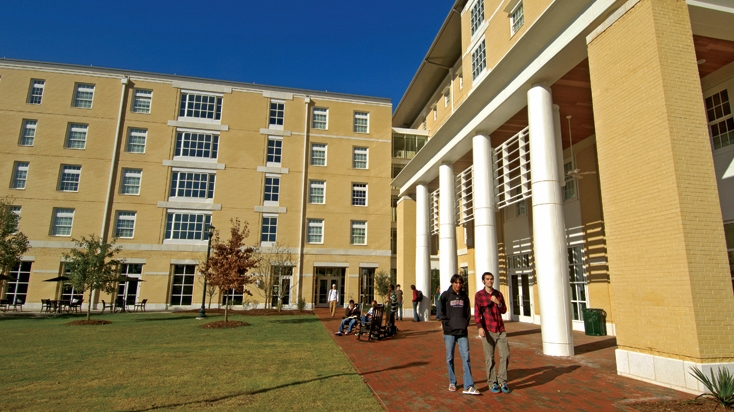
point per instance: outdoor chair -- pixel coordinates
(45, 305)
(109, 306)
(4, 304)
(76, 304)
(140, 305)
(19, 302)
(373, 328)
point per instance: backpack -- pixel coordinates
(419, 296)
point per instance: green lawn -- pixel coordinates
(164, 361)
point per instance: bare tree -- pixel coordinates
(13, 243)
(275, 275)
(211, 290)
(382, 283)
(227, 268)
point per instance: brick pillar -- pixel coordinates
(670, 284)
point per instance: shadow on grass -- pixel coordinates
(44, 317)
(537, 376)
(595, 346)
(181, 317)
(298, 320)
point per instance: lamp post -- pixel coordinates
(202, 311)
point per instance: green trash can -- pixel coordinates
(595, 322)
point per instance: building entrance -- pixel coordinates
(325, 277)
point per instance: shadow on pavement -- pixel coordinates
(536, 376)
(594, 346)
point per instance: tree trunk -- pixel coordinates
(226, 312)
(89, 305)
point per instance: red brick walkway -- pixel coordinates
(408, 372)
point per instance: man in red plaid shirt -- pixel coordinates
(489, 305)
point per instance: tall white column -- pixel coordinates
(486, 253)
(549, 240)
(447, 225)
(422, 247)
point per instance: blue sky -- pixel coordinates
(368, 48)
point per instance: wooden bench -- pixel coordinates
(373, 328)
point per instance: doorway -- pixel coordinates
(521, 292)
(325, 277)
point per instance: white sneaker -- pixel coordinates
(471, 391)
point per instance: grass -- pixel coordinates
(164, 361)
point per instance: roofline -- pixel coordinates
(171, 77)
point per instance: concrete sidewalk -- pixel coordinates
(408, 372)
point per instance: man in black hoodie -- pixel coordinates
(455, 315)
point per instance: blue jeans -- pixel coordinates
(463, 341)
(415, 312)
(351, 324)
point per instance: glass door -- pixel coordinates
(520, 291)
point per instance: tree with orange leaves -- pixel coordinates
(230, 262)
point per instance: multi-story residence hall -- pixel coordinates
(583, 151)
(153, 160)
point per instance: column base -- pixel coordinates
(557, 349)
(667, 372)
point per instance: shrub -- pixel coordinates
(721, 386)
(301, 303)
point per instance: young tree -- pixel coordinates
(275, 265)
(92, 266)
(382, 283)
(230, 261)
(211, 290)
(13, 243)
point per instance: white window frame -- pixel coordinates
(140, 97)
(320, 148)
(197, 142)
(181, 178)
(271, 233)
(578, 281)
(320, 118)
(75, 133)
(15, 210)
(125, 217)
(271, 190)
(476, 16)
(314, 185)
(517, 18)
(276, 115)
(357, 225)
(83, 95)
(447, 98)
(35, 91)
(70, 176)
(720, 119)
(28, 132)
(202, 219)
(59, 221)
(136, 133)
(356, 189)
(361, 122)
(359, 151)
(570, 189)
(187, 109)
(20, 175)
(315, 230)
(128, 188)
(275, 144)
(479, 60)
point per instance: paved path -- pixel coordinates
(408, 372)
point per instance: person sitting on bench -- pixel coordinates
(351, 314)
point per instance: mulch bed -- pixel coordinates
(690, 405)
(255, 312)
(88, 322)
(224, 325)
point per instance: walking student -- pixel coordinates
(455, 318)
(489, 305)
(416, 302)
(399, 294)
(333, 299)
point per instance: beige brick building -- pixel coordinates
(153, 160)
(584, 152)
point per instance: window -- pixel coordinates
(277, 112)
(69, 179)
(317, 191)
(447, 98)
(17, 286)
(521, 205)
(28, 134)
(142, 100)
(16, 211)
(182, 287)
(233, 298)
(478, 60)
(359, 157)
(320, 118)
(270, 227)
(315, 230)
(569, 190)
(125, 226)
(128, 289)
(84, 95)
(406, 146)
(318, 154)
(577, 279)
(461, 81)
(188, 226)
(76, 137)
(192, 184)
(435, 112)
(272, 188)
(200, 106)
(359, 232)
(517, 18)
(477, 15)
(20, 175)
(275, 151)
(62, 222)
(361, 122)
(35, 94)
(359, 194)
(721, 122)
(131, 181)
(200, 145)
(136, 140)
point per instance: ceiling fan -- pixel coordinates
(576, 172)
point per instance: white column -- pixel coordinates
(422, 246)
(447, 225)
(549, 240)
(486, 254)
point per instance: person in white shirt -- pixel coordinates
(333, 299)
